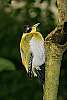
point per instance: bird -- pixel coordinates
(32, 52)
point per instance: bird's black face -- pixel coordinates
(28, 28)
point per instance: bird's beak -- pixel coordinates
(36, 24)
(34, 27)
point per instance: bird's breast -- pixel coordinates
(38, 51)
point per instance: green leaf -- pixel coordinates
(5, 64)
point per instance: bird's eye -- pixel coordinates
(28, 29)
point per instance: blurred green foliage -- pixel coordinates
(5, 64)
(15, 85)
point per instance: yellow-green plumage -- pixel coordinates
(25, 45)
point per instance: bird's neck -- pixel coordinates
(33, 29)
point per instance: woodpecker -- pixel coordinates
(32, 52)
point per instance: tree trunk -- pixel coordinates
(54, 53)
(52, 71)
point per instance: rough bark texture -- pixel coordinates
(65, 7)
(52, 71)
(54, 51)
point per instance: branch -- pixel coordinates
(56, 35)
(62, 11)
(65, 8)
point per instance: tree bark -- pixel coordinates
(54, 52)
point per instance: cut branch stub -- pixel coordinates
(58, 35)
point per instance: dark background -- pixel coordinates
(14, 15)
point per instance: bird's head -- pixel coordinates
(29, 28)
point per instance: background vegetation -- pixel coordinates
(14, 15)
